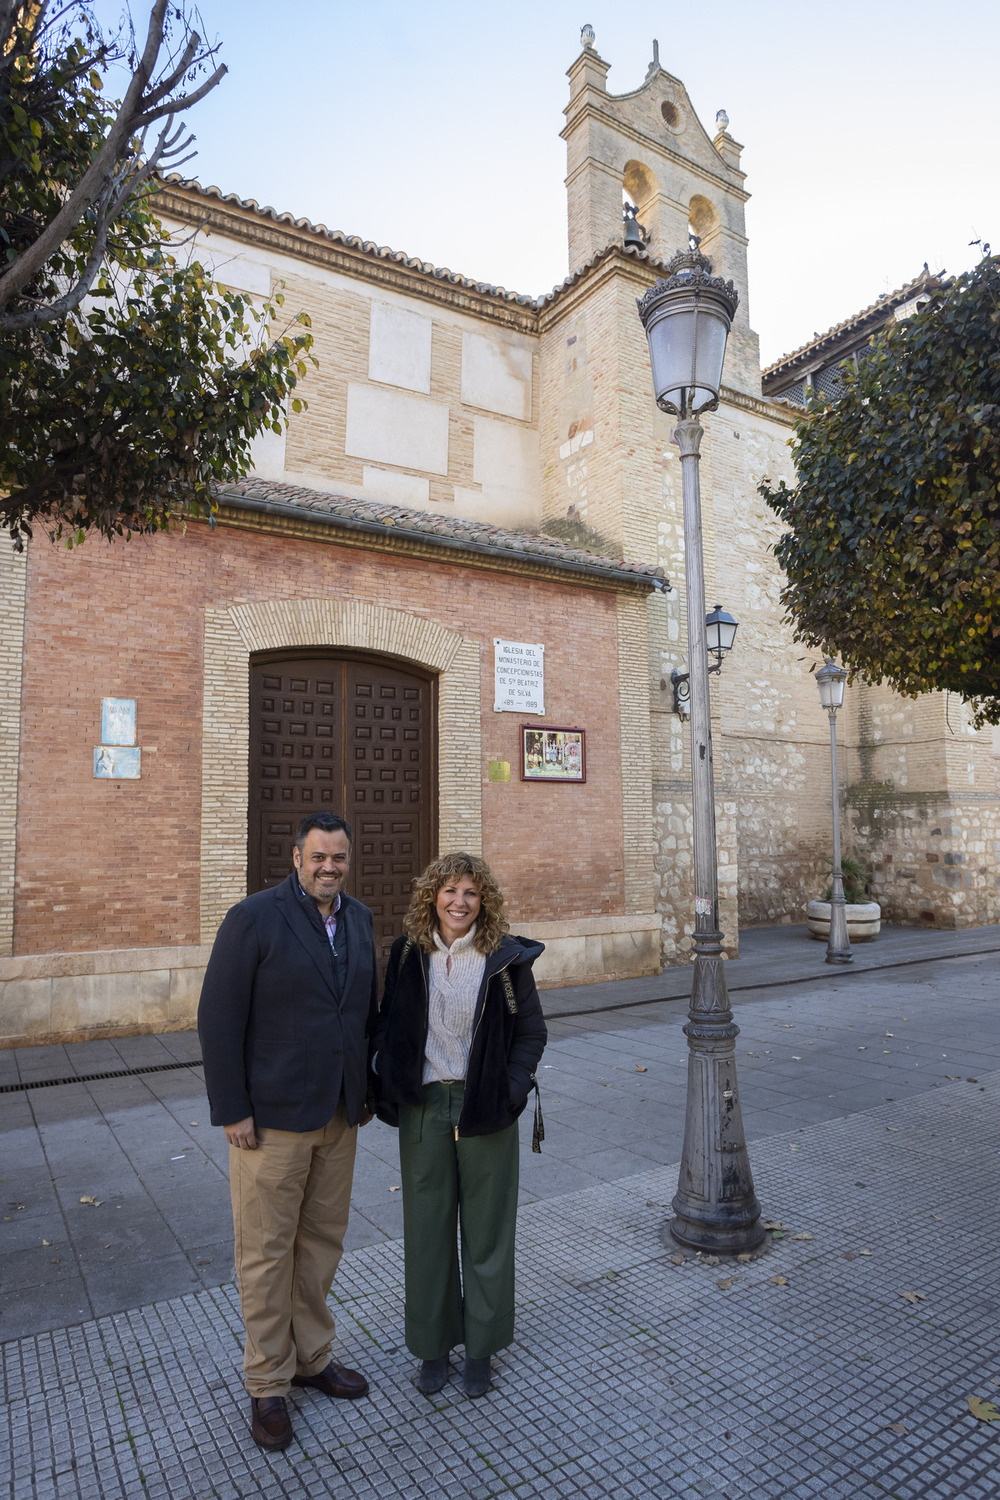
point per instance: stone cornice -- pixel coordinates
(758, 406)
(254, 227)
(274, 518)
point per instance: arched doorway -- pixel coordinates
(353, 735)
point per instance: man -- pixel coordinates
(288, 1003)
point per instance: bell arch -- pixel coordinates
(704, 221)
(640, 186)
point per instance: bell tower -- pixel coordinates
(650, 146)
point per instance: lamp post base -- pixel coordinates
(715, 1207)
(713, 1239)
(838, 945)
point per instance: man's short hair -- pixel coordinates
(326, 823)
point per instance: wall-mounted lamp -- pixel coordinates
(720, 633)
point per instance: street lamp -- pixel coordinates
(720, 633)
(830, 680)
(687, 316)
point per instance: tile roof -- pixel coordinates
(351, 241)
(876, 313)
(449, 532)
(399, 257)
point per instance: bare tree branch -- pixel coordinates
(143, 104)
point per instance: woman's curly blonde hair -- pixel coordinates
(420, 922)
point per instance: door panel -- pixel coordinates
(354, 737)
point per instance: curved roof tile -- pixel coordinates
(412, 262)
(373, 514)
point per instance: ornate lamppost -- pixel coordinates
(687, 316)
(830, 680)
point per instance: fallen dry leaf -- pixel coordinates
(771, 1224)
(895, 1427)
(938, 1217)
(640, 1069)
(984, 1411)
(865, 1252)
(724, 1283)
(913, 1297)
(94, 1202)
(802, 1236)
(745, 1256)
(778, 1280)
(46, 1242)
(678, 1260)
(394, 1189)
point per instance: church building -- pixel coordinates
(447, 604)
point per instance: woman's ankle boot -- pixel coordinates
(432, 1375)
(476, 1376)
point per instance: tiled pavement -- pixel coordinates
(630, 1375)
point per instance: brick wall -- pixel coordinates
(13, 575)
(115, 864)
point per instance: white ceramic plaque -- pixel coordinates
(117, 762)
(118, 721)
(518, 677)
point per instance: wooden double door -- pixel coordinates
(352, 736)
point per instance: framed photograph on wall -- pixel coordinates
(551, 754)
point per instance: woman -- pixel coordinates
(458, 1039)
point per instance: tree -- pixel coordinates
(129, 382)
(892, 556)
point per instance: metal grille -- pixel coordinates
(795, 393)
(51, 1083)
(829, 383)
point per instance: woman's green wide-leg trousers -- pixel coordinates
(447, 1181)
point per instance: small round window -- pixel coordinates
(671, 114)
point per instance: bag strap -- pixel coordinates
(538, 1127)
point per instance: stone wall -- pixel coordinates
(922, 810)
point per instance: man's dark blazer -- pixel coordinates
(278, 1041)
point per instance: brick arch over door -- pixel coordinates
(234, 634)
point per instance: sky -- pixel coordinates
(869, 130)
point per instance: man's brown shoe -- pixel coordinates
(271, 1426)
(335, 1381)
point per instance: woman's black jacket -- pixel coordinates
(508, 1036)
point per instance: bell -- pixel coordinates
(635, 234)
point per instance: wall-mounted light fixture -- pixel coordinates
(720, 633)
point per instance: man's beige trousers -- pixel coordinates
(291, 1200)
